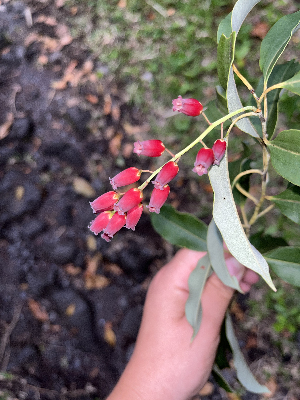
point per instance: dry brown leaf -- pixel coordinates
(37, 311)
(115, 144)
(260, 30)
(109, 334)
(72, 270)
(19, 192)
(114, 269)
(171, 11)
(60, 3)
(136, 129)
(115, 113)
(63, 32)
(47, 20)
(92, 265)
(122, 4)
(4, 128)
(83, 187)
(107, 104)
(237, 311)
(70, 310)
(207, 389)
(91, 242)
(127, 150)
(272, 386)
(91, 98)
(96, 282)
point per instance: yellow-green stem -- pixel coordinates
(199, 138)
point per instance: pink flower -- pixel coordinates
(165, 175)
(204, 160)
(114, 225)
(158, 198)
(133, 216)
(100, 222)
(126, 177)
(105, 202)
(150, 148)
(191, 107)
(130, 199)
(219, 148)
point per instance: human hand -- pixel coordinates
(166, 364)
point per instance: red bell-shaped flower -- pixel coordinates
(219, 149)
(133, 216)
(100, 222)
(150, 148)
(116, 222)
(105, 202)
(126, 177)
(165, 175)
(191, 107)
(204, 160)
(158, 198)
(130, 199)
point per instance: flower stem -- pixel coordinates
(199, 138)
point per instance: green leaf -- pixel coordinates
(224, 27)
(234, 103)
(197, 280)
(217, 259)
(285, 262)
(288, 203)
(279, 74)
(244, 373)
(220, 379)
(225, 54)
(221, 100)
(285, 155)
(240, 12)
(293, 84)
(265, 243)
(276, 41)
(227, 220)
(181, 229)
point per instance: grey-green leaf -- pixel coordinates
(216, 256)
(224, 27)
(244, 373)
(285, 155)
(285, 262)
(220, 379)
(225, 53)
(293, 84)
(234, 103)
(227, 220)
(197, 279)
(240, 12)
(288, 203)
(276, 41)
(181, 229)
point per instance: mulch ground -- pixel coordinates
(70, 304)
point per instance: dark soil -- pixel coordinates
(70, 304)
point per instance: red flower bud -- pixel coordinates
(105, 202)
(130, 199)
(150, 148)
(133, 216)
(219, 148)
(158, 198)
(116, 222)
(191, 107)
(165, 175)
(204, 160)
(100, 222)
(126, 177)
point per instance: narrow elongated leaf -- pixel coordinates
(240, 12)
(244, 373)
(285, 155)
(225, 58)
(224, 27)
(285, 262)
(220, 379)
(288, 203)
(181, 229)
(293, 84)
(276, 41)
(227, 220)
(197, 279)
(217, 259)
(234, 103)
(279, 74)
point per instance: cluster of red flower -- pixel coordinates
(117, 210)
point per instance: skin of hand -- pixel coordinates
(166, 363)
